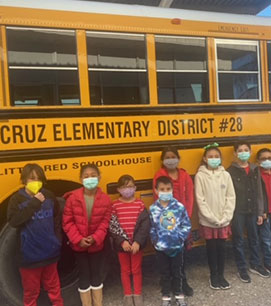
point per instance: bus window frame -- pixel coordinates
(63, 68)
(185, 70)
(259, 71)
(146, 70)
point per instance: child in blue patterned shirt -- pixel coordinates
(170, 226)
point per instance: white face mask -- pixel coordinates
(171, 163)
(266, 164)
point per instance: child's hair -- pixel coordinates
(92, 166)
(28, 169)
(212, 148)
(261, 151)
(239, 144)
(164, 180)
(169, 149)
(209, 148)
(125, 179)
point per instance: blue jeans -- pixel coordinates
(265, 238)
(239, 223)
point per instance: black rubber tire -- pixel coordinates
(10, 283)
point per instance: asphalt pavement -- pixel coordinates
(256, 293)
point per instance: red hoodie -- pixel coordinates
(183, 189)
(75, 220)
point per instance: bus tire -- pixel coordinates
(10, 281)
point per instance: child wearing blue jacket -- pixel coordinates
(35, 213)
(170, 226)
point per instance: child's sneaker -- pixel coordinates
(245, 278)
(179, 299)
(166, 301)
(259, 270)
(187, 290)
(214, 282)
(268, 268)
(223, 283)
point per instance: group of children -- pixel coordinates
(229, 202)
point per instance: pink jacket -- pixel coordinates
(75, 221)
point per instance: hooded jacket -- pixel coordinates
(215, 197)
(248, 189)
(170, 227)
(76, 223)
(38, 226)
(185, 186)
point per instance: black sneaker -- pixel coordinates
(187, 290)
(214, 282)
(244, 276)
(223, 283)
(268, 268)
(259, 270)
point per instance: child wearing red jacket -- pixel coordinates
(86, 219)
(183, 191)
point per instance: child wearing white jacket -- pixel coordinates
(215, 198)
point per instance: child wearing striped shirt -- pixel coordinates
(129, 227)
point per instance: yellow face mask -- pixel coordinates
(34, 186)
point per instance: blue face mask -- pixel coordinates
(266, 164)
(243, 156)
(165, 196)
(90, 182)
(214, 162)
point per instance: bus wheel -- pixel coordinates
(10, 282)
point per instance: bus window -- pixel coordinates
(42, 67)
(238, 70)
(117, 69)
(269, 66)
(181, 70)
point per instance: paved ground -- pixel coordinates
(256, 293)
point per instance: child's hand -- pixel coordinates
(40, 196)
(90, 240)
(260, 220)
(126, 246)
(84, 243)
(135, 247)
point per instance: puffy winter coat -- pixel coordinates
(186, 188)
(76, 223)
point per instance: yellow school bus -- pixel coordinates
(84, 82)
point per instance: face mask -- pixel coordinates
(90, 182)
(127, 192)
(34, 186)
(171, 163)
(243, 156)
(165, 196)
(266, 164)
(214, 162)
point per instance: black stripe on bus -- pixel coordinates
(16, 113)
(114, 149)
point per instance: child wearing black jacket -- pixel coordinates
(36, 214)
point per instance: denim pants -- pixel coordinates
(239, 223)
(265, 239)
